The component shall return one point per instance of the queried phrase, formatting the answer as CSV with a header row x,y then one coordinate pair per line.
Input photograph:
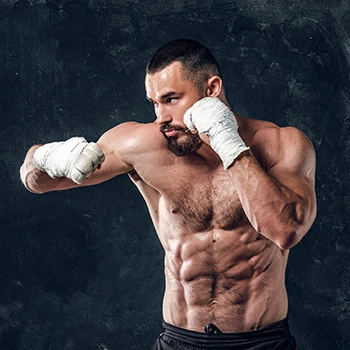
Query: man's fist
x,y
75,159
212,117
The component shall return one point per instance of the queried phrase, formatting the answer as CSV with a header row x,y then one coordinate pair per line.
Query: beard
x,y
189,142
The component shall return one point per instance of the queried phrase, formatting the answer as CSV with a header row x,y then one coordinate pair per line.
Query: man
x,y
227,204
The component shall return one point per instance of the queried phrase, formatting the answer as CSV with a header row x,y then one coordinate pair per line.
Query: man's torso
x,y
218,268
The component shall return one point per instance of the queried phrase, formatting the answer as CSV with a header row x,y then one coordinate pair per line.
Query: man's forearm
x,y
274,210
61,165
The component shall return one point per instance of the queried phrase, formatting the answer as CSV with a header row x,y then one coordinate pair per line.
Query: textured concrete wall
x,y
82,269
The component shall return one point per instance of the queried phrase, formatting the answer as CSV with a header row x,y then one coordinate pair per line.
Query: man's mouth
x,y
170,131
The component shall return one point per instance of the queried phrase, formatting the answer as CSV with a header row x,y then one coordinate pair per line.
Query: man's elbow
x,y
291,235
292,232
288,239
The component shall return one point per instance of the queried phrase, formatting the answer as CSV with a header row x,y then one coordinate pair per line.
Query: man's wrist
x,y
242,158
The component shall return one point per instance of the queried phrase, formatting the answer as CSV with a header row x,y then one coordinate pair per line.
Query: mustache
x,y
173,127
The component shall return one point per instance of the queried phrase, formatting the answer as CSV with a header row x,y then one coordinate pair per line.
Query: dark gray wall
x,y
82,269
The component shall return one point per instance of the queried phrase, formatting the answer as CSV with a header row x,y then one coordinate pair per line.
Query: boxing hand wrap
x,y
75,159
212,117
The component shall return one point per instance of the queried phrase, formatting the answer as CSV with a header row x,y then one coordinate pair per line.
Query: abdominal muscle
x,y
234,279
218,269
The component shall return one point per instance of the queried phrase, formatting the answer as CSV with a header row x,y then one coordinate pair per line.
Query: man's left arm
x,y
280,202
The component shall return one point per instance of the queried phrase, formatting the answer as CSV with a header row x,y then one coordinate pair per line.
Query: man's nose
x,y
163,116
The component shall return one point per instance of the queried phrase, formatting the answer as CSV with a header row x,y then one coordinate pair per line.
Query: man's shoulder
x,y
135,135
268,133
271,143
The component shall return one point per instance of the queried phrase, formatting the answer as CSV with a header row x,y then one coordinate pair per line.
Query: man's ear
x,y
214,86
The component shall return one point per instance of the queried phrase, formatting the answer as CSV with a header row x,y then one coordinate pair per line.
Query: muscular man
x,y
228,196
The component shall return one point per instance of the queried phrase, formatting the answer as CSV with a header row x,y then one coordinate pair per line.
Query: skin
x,y
226,233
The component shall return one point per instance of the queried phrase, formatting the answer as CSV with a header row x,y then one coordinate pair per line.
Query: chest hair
x,y
206,203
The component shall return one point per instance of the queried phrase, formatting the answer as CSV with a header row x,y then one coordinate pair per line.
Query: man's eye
x,y
171,100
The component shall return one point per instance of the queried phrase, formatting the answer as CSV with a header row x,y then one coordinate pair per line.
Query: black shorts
x,y
273,337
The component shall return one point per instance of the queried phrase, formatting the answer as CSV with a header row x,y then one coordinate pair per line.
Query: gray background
x,y
82,269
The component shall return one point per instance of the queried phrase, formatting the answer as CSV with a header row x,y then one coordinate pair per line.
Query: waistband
x,y
274,331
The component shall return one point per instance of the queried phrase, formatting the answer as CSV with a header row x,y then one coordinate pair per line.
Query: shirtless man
x,y
227,205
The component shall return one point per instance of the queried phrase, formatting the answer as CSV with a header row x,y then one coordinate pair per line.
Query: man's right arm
x,y
115,144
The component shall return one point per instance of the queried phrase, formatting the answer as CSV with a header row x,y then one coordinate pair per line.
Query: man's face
x,y
171,96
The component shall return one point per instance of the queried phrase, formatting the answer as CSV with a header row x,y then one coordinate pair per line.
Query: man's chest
x,y
196,199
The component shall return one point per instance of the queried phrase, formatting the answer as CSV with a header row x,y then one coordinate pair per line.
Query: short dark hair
x,y
197,60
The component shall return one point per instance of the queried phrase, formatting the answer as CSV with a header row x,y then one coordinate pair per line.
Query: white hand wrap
x,y
75,159
212,117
